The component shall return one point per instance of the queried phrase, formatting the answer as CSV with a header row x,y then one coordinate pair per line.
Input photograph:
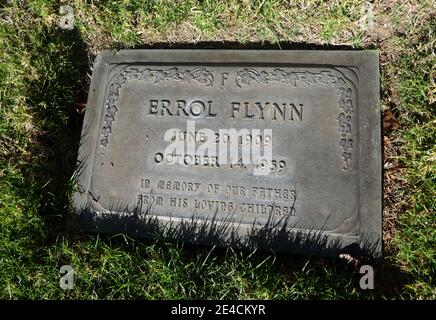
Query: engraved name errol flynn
x,y
249,111
270,149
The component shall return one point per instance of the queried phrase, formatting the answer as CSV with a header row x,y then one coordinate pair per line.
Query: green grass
x,y
43,71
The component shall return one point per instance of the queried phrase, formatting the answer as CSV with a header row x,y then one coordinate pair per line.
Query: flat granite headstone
x,y
253,149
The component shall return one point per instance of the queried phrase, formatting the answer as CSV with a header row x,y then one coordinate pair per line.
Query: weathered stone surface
x,y
322,193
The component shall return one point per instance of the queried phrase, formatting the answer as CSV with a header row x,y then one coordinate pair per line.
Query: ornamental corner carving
x,y
344,91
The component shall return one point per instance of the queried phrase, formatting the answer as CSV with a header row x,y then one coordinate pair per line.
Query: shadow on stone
x,y
276,234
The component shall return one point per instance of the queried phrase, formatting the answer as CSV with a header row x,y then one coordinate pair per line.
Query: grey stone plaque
x,y
316,112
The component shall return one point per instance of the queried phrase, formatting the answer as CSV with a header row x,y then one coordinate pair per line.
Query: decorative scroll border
x,y
344,91
244,77
128,73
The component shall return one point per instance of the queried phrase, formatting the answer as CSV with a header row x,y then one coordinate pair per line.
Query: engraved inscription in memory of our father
x,y
173,135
